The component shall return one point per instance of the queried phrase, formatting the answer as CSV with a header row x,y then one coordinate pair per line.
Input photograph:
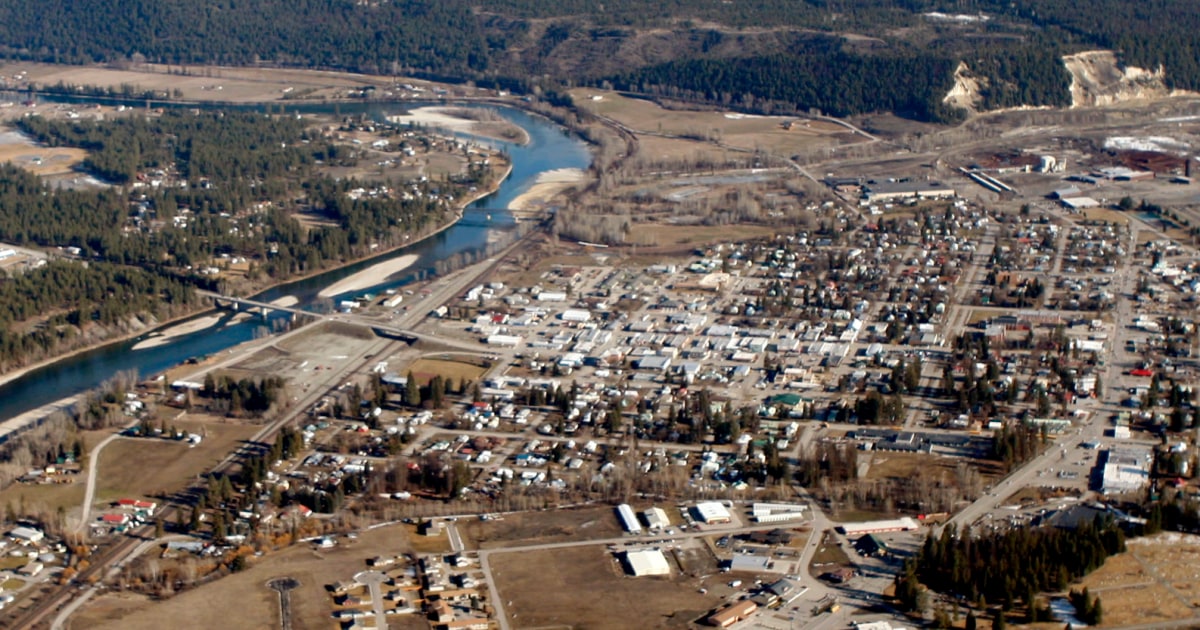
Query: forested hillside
x,y
233,184
243,173
838,56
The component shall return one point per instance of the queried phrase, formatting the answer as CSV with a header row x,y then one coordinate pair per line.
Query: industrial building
x,y
903,524
712,513
1126,469
776,512
643,562
656,518
893,191
628,519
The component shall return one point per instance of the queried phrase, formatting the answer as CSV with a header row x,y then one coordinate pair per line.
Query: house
x,y
440,611
732,613
870,545
114,519
786,589
470,623
838,576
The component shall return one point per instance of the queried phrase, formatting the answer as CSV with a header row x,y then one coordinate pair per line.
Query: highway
x,y
128,547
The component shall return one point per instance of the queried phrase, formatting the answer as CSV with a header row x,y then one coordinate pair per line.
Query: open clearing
x,y
1156,580
737,130
584,587
15,147
589,523
455,371
164,466
893,465
665,235
244,595
204,83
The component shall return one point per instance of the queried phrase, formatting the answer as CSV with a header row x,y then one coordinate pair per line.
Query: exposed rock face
x,y
965,93
1098,78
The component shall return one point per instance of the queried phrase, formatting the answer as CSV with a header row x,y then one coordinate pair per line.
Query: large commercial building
x,y
1126,469
712,513
893,191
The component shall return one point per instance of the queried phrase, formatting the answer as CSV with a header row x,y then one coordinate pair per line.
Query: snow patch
x,y
1161,144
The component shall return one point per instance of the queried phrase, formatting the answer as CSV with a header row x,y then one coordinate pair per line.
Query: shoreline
x,y
547,186
369,277
59,404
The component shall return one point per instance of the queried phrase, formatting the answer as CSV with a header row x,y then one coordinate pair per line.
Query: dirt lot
x,y
456,371
590,523
246,595
164,465
585,587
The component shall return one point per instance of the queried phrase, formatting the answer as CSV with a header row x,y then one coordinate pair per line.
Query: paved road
x,y
373,579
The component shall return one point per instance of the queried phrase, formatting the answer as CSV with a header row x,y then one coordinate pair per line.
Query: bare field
x,y
456,371
737,130
1156,580
885,465
584,587
590,523
164,466
203,83
662,235
1104,214
655,148
245,595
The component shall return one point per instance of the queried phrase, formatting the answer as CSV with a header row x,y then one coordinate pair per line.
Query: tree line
x,y
1004,567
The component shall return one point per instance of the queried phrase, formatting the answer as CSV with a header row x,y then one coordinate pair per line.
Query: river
x,y
550,147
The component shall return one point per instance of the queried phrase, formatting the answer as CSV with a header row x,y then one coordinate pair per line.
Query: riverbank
x,y
444,118
545,187
369,277
164,336
159,327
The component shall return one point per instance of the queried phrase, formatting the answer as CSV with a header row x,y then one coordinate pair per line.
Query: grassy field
x,y
243,601
585,587
43,497
736,130
164,466
426,368
590,523
656,149
829,555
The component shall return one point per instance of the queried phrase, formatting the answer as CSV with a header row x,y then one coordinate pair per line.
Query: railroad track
x,y
40,614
